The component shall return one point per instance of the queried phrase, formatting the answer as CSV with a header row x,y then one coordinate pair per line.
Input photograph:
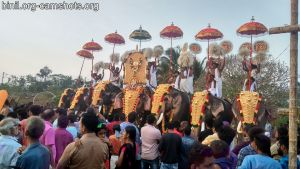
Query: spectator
x,y
36,155
116,120
261,160
58,112
12,115
246,140
187,140
170,147
217,126
62,136
48,137
284,153
8,143
281,131
72,127
34,110
221,154
116,142
150,137
1,117
201,157
227,134
102,130
87,152
177,128
127,153
209,121
249,149
123,123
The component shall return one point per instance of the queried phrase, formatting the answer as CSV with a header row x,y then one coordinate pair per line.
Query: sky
x,y
31,40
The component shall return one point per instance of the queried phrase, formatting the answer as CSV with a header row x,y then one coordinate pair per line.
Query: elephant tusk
x,y
160,119
239,128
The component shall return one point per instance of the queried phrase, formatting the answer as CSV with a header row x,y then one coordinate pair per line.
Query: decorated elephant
x,y
66,98
249,108
204,103
81,99
170,104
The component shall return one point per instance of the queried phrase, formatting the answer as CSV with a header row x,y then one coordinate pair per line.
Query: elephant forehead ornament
x,y
158,96
249,105
97,92
135,69
198,106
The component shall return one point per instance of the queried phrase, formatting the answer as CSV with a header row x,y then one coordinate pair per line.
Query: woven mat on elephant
x,y
79,92
198,102
97,91
65,93
158,97
131,99
249,105
135,69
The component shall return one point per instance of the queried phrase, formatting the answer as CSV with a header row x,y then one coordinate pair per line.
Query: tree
x,y
272,81
44,73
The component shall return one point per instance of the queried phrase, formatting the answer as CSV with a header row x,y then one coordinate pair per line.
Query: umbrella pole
x,y
250,69
140,45
114,48
93,62
171,51
81,69
208,65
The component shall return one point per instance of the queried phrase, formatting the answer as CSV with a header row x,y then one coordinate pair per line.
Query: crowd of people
x,y
42,138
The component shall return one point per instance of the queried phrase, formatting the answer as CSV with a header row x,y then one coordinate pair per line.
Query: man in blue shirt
x,y
35,156
249,150
283,151
187,140
262,159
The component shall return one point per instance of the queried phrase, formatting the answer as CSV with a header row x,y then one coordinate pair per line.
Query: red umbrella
x,y
115,39
86,55
92,46
209,34
171,32
251,29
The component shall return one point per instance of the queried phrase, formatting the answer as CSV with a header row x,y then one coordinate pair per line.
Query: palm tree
x,y
44,73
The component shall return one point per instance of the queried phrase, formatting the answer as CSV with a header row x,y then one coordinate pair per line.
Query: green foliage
x,y
24,88
282,121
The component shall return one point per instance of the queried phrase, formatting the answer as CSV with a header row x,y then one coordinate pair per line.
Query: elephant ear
x,y
215,105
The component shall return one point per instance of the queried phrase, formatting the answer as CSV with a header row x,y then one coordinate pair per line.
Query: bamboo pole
x,y
293,88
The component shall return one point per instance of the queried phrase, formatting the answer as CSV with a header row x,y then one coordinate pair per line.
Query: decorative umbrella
x,y
171,32
209,34
140,35
115,39
86,55
92,46
251,29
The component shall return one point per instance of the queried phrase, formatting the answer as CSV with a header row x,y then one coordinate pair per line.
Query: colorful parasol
x,y
209,34
251,29
171,32
86,55
140,35
115,39
92,46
